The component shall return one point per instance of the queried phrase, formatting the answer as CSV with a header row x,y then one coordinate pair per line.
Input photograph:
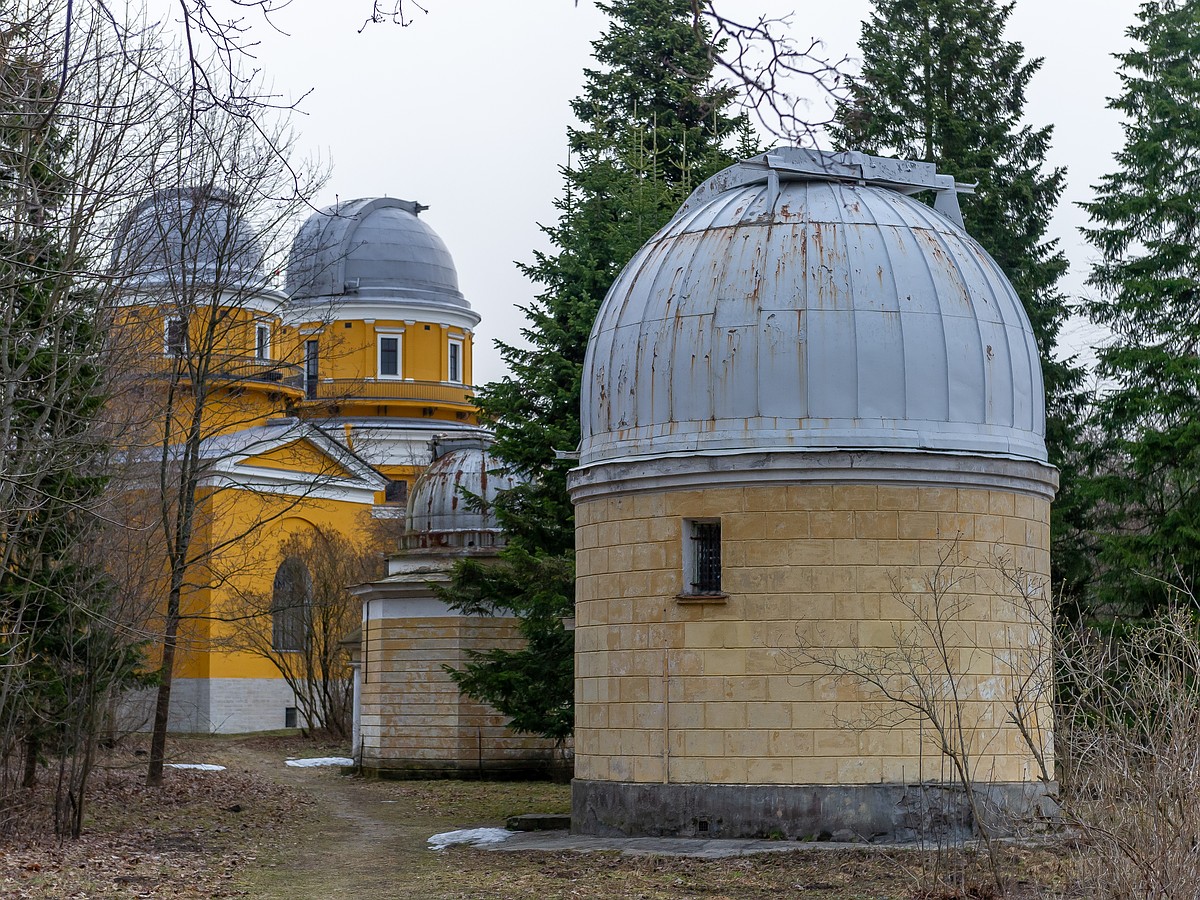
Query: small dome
x,y
439,513
192,234
375,249
803,301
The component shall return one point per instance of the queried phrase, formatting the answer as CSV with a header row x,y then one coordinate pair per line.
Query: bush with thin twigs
x,y
1129,735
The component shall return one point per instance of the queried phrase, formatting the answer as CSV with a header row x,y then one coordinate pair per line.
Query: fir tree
x,y
940,83
59,657
1147,230
652,128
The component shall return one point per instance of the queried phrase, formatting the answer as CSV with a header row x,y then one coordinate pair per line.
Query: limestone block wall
x,y
414,722
671,691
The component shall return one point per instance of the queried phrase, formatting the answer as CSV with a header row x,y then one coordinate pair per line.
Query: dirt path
x,y
368,839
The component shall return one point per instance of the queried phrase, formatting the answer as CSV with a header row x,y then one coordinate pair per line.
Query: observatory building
x,y
318,405
810,402
412,719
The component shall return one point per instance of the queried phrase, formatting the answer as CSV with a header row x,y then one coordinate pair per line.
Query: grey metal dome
x,y
801,301
188,235
439,513
373,248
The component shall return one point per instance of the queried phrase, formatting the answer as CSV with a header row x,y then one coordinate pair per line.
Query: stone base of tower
x,y
850,813
413,721
741,707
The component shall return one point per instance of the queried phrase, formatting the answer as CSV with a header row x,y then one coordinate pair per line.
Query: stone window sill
x,y
702,598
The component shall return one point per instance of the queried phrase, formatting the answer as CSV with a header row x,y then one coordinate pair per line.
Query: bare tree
x,y
211,364
927,678
300,625
72,132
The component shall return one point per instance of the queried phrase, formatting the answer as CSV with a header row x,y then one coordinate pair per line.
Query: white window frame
x,y
262,340
398,337
169,350
451,376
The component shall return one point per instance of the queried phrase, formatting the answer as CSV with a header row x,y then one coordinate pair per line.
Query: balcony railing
x,y
229,367
342,389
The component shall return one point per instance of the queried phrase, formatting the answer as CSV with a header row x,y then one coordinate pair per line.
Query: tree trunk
x,y
32,745
162,704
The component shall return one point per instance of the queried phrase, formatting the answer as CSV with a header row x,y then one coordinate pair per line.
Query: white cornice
x,y
755,469
391,311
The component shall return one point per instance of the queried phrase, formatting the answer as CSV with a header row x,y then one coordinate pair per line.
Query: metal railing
x,y
361,389
231,367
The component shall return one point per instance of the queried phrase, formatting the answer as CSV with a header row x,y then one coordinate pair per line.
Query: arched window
x,y
290,601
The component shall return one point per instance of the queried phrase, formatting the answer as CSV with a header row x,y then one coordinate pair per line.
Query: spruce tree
x,y
941,84
1146,227
652,127
60,654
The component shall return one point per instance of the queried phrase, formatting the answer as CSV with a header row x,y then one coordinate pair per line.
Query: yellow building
x,y
306,408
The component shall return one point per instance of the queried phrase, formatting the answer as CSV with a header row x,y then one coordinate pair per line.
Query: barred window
x,y
175,336
702,557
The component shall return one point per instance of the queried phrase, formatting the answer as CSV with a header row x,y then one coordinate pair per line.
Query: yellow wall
x,y
349,348
671,691
244,572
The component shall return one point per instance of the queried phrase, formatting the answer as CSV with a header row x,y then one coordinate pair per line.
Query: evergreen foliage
x,y
58,654
652,128
940,83
1146,227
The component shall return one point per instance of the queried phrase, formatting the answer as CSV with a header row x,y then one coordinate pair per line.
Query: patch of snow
x,y
199,767
321,761
476,837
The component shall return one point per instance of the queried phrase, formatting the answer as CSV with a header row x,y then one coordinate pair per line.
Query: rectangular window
x,y
389,356
175,336
312,367
702,557
262,341
455,373
396,492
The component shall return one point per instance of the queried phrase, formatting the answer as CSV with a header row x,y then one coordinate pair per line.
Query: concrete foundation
x,y
849,813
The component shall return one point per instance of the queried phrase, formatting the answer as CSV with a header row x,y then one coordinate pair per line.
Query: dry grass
x,y
312,833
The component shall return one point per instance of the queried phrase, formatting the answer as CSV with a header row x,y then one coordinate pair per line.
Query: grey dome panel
x,y
811,314
377,248
188,234
437,504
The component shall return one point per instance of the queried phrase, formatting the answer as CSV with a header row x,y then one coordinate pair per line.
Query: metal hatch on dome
x,y
904,176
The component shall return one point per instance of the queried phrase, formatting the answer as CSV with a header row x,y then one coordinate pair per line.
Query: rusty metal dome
x,y
440,513
804,301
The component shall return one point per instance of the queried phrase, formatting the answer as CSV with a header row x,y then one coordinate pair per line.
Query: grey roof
x,y
797,302
185,235
437,504
375,248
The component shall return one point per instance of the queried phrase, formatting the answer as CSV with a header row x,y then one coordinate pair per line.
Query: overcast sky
x,y
466,111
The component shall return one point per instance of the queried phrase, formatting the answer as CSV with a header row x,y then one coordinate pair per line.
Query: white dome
x,y
800,301
439,512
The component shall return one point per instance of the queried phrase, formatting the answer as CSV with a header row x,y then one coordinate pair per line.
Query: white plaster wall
x,y
213,705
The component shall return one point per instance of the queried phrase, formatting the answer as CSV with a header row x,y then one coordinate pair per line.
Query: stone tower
x,y
806,396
